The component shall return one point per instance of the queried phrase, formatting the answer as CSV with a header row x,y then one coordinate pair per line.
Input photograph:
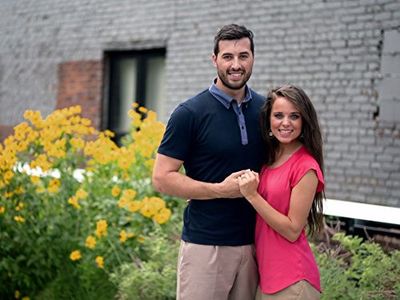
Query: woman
x,y
287,196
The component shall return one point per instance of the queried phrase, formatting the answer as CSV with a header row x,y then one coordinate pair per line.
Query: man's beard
x,y
226,83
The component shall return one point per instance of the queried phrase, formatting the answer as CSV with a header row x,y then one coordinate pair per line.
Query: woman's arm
x,y
301,199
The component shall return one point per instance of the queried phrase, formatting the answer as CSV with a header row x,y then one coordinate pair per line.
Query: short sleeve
x,y
178,135
302,166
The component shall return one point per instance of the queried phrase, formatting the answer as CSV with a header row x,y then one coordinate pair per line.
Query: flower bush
x,y
79,219
75,206
355,269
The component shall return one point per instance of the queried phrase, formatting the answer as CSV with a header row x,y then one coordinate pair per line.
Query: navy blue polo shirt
x,y
214,137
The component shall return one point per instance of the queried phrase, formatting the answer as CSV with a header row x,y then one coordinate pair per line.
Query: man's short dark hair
x,y
233,32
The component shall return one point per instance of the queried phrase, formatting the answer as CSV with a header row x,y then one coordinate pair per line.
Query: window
x,y
389,87
133,76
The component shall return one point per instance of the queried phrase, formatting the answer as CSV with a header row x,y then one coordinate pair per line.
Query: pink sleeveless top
x,y
282,263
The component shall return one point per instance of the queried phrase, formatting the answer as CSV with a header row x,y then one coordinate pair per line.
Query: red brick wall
x,y
80,82
5,131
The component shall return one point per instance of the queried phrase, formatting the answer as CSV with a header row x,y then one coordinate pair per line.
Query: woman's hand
x,y
248,184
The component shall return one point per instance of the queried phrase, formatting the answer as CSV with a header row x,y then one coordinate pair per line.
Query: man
x,y
214,135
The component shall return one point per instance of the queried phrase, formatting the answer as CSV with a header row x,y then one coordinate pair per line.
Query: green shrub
x,y
358,270
152,278
62,235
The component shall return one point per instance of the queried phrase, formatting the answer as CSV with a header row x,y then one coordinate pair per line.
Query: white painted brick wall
x,y
330,48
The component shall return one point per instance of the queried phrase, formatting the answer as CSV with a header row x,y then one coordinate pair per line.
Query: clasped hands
x,y
248,183
240,184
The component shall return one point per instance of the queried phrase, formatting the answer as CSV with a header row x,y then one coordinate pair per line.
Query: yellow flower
x,y
123,201
77,143
90,242
35,179
126,157
9,141
147,209
162,216
100,262
20,131
19,206
136,118
158,202
151,116
103,150
125,162
143,109
57,148
75,255
76,109
26,298
42,162
54,185
8,157
21,146
17,294
124,236
86,122
116,190
8,175
19,219
129,194
2,209
144,142
74,201
81,194
108,133
101,228
134,206
34,117
151,206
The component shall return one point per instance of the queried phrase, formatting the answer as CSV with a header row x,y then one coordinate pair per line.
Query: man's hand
x,y
229,188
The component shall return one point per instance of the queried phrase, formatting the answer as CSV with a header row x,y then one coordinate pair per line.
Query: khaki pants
x,y
301,290
216,272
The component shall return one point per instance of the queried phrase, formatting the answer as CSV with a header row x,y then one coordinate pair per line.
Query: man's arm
x,y
168,180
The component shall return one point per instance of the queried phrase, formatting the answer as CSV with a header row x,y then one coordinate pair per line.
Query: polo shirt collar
x,y
224,98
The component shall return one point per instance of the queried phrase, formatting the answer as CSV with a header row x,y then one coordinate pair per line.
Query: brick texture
x,y
79,83
5,131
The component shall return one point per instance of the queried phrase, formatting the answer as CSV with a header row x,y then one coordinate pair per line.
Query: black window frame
x,y
112,103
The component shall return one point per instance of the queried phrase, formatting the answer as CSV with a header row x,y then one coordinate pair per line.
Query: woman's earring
x,y
270,133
